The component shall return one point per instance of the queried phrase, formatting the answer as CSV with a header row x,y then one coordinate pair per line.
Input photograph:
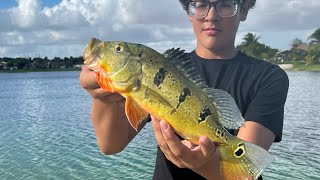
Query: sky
x,y
62,28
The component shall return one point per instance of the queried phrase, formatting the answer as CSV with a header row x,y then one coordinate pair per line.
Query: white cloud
x,y
284,15
64,29
27,14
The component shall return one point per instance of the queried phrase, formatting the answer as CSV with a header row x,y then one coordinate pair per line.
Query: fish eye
x,y
118,48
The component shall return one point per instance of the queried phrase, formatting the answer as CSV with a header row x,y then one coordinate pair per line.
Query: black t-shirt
x,y
259,89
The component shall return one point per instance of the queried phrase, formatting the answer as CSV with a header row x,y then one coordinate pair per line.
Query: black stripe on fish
x,y
204,114
185,93
159,78
182,98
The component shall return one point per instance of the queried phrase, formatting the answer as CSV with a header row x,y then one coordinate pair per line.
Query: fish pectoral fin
x,y
135,113
104,82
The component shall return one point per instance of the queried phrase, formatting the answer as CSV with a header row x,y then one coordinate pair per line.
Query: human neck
x,y
227,53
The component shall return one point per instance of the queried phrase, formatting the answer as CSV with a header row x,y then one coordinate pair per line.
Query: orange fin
x,y
135,113
234,171
104,82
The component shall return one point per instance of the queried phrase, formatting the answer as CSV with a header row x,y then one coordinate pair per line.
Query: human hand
x,y
89,82
184,154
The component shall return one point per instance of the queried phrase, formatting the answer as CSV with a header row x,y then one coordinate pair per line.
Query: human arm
x,y
112,128
256,133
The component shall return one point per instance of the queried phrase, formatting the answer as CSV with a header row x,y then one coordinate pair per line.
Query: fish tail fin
x,y
244,161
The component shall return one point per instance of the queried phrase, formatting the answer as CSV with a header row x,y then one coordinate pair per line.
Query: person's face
x,y
217,33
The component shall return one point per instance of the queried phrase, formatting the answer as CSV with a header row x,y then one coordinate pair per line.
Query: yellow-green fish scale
x,y
184,118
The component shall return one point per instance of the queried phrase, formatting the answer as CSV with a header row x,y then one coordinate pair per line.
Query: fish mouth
x,y
91,53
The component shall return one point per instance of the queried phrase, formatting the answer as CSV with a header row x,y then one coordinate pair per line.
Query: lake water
x,y
46,132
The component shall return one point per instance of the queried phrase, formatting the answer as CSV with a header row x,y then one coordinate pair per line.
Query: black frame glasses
x,y
224,8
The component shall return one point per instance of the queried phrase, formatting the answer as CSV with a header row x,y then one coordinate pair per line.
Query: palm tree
x,y
313,56
250,38
315,37
252,47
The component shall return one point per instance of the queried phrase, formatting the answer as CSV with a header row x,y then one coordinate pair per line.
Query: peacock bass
x,y
169,86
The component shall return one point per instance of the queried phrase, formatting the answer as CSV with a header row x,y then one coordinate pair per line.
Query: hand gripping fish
x,y
169,86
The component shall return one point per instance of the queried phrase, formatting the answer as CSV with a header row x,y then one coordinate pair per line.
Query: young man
x,y
259,88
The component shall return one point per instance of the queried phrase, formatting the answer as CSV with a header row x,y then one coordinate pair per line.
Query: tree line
x,y
41,63
252,47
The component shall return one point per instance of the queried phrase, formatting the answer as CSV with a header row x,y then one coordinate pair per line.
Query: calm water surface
x,y
46,132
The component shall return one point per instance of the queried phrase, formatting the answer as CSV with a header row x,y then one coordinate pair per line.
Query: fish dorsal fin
x,y
184,63
135,113
229,113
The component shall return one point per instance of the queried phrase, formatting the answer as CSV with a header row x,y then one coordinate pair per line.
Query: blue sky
x,y
5,4
59,28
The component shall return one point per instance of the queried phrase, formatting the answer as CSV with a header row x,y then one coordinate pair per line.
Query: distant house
x,y
303,47
3,65
14,66
78,66
37,65
11,68
300,51
56,64
281,56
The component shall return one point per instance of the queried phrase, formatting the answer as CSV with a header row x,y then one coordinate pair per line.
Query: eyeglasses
x,y
225,8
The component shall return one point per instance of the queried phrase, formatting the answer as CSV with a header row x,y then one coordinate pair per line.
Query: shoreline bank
x,y
298,66
285,66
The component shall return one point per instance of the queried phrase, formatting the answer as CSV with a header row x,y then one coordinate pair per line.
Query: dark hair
x,y
185,3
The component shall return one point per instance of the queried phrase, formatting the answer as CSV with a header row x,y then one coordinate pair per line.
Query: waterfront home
x,y
294,54
56,64
3,65
78,66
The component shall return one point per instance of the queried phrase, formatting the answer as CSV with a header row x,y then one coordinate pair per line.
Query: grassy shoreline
x,y
300,66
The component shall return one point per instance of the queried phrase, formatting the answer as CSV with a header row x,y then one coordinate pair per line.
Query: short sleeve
x,y
267,105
